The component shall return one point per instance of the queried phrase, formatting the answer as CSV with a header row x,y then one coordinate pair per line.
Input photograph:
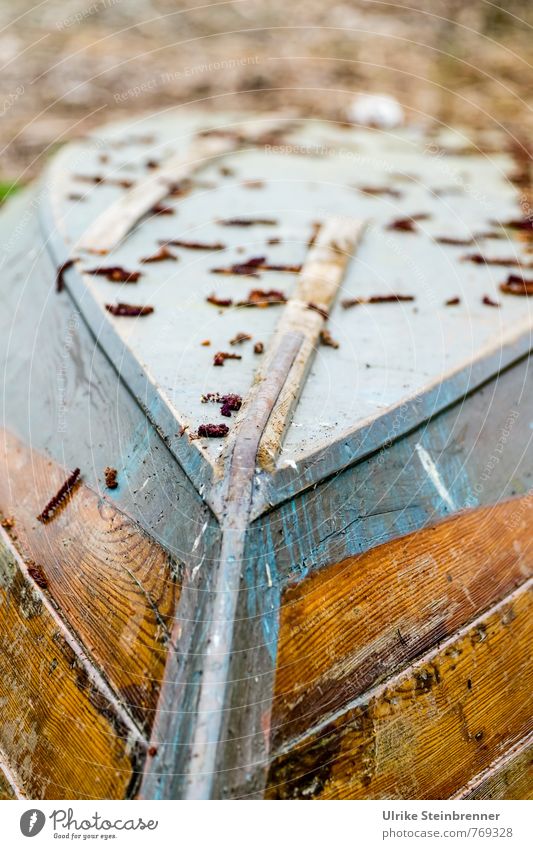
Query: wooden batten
x,y
63,733
453,707
350,625
113,586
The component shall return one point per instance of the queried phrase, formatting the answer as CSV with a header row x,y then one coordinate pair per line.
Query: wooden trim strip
x,y
9,789
428,731
113,586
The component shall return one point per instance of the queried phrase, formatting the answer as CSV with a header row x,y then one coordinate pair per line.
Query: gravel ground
x,y
70,65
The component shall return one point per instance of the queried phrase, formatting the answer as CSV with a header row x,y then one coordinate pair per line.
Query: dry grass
x,y
76,63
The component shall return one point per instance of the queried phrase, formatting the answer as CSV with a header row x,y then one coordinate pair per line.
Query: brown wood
x,y
113,586
62,732
428,731
510,778
350,625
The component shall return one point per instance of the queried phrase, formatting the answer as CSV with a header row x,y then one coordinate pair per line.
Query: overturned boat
x,y
266,465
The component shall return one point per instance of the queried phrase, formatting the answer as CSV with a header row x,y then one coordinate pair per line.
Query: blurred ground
x,y
70,65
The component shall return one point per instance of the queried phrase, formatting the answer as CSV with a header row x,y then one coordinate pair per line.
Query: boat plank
x,y
114,586
354,623
510,778
64,398
479,459
462,704
62,733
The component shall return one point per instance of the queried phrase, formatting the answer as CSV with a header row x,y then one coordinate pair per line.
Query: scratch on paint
x,y
433,473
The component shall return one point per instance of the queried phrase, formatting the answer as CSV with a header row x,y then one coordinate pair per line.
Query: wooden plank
x,y
113,585
462,705
352,624
509,778
62,731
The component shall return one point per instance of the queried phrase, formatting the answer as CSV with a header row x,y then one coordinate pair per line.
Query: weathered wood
x,y
114,586
304,316
85,415
8,791
352,624
462,705
509,778
62,731
114,224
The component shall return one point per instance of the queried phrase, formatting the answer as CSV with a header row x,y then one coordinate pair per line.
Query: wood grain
x,y
427,732
113,586
510,778
352,624
62,732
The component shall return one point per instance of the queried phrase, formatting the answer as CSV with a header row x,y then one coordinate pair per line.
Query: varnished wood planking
x,y
512,778
112,584
352,624
63,397
427,732
62,735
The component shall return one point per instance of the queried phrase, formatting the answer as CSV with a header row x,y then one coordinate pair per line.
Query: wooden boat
x,y
332,600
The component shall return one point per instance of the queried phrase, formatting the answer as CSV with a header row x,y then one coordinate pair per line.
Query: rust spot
x,y
115,274
376,299
60,284
213,431
327,339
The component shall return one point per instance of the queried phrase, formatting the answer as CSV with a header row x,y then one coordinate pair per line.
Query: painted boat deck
x,y
423,352
390,539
